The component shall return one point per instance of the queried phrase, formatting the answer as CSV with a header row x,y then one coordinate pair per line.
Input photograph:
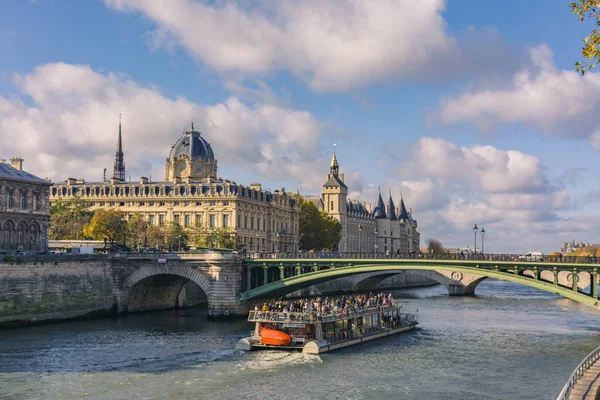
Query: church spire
x,y
334,168
391,208
119,168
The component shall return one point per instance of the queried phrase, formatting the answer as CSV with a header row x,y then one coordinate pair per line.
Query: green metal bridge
x,y
274,275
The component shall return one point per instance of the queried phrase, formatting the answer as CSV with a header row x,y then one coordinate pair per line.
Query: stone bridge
x,y
37,288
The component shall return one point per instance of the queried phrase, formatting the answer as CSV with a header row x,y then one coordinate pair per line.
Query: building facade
x,y
384,229
24,209
193,195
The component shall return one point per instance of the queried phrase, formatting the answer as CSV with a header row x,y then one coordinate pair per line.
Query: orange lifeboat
x,y
274,337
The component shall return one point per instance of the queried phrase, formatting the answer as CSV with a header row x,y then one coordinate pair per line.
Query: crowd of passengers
x,y
326,305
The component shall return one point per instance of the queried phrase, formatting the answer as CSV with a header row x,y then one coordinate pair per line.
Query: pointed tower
x,y
379,210
391,208
119,169
403,213
335,193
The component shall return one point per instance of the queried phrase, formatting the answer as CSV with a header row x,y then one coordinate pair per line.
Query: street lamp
x,y
257,243
359,230
482,233
145,236
475,229
375,244
278,244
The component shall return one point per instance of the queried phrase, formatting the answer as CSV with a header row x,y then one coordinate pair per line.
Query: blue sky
x,y
472,110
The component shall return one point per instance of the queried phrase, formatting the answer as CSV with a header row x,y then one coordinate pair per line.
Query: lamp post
x,y
482,233
475,229
257,243
375,244
278,244
359,230
212,237
145,236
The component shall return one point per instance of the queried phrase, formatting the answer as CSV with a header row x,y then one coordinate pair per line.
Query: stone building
x,y
383,229
24,213
194,195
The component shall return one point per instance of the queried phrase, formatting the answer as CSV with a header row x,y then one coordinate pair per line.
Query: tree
x,y
591,48
434,246
67,219
137,231
332,230
312,227
176,237
107,224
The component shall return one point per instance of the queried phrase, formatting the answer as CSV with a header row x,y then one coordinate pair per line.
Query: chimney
x,y
143,180
71,181
17,163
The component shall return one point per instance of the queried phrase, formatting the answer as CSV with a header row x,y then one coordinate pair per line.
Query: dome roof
x,y
193,145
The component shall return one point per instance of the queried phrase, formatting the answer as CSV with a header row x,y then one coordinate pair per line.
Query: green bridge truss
x,y
300,273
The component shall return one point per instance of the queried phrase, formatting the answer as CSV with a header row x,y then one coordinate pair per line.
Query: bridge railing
x,y
427,256
581,369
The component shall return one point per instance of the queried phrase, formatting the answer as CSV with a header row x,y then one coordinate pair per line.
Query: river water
x,y
509,342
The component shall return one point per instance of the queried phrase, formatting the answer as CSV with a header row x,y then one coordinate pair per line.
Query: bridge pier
x,y
457,283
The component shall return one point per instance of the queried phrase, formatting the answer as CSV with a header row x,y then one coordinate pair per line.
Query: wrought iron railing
x,y
313,317
581,369
427,256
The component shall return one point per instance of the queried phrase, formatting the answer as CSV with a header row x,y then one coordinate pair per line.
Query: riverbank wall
x,y
33,291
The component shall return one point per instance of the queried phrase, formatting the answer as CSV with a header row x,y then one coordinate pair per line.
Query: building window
x,y
162,204
151,219
186,220
187,203
176,217
35,201
198,220
245,222
225,220
212,190
239,219
331,209
23,201
213,203
211,220
264,224
251,222
161,219
225,203
151,204
258,224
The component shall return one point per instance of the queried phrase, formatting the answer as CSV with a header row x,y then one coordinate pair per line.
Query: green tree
x,y
591,44
176,237
68,218
107,224
434,246
332,231
312,227
137,231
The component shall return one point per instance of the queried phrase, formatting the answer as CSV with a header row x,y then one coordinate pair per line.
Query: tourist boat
x,y
314,333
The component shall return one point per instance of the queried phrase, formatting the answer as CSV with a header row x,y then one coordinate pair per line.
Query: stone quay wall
x,y
36,289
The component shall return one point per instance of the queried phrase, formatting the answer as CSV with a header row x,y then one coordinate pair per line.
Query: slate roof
x,y
8,172
392,209
403,212
335,181
192,144
379,211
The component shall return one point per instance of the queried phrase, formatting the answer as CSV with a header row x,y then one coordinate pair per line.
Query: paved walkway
x,y
587,387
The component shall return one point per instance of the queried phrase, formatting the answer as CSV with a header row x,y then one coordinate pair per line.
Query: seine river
x,y
509,342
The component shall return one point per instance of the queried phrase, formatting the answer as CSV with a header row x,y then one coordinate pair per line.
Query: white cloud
x,y
559,102
70,128
334,45
452,187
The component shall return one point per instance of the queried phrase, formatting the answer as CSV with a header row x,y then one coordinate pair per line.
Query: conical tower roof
x,y
392,208
379,211
403,213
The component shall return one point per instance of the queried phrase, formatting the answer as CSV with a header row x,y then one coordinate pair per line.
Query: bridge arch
x,y
155,288
465,275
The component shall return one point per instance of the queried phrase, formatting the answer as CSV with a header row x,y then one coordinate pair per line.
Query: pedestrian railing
x,y
428,256
581,369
